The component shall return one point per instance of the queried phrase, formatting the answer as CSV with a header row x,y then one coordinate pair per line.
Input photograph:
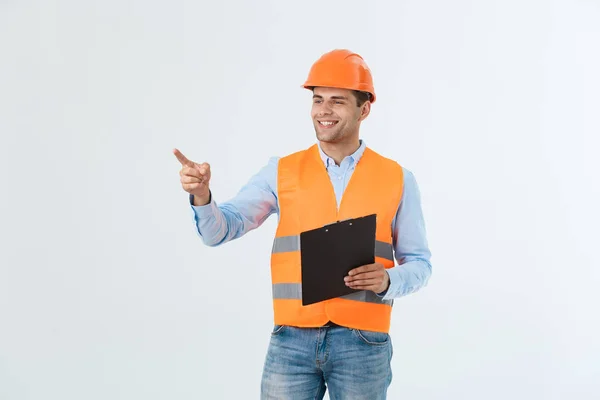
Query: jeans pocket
x,y
277,329
372,338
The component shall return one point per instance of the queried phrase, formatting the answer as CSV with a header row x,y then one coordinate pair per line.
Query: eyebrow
x,y
316,96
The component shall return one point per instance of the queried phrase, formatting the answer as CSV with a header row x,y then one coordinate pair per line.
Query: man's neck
x,y
339,151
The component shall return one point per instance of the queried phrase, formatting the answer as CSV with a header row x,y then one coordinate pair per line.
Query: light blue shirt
x,y
257,200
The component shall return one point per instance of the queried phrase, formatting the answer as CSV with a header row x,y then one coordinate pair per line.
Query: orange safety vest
x,y
307,201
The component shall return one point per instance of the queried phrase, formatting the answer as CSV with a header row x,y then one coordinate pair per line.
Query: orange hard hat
x,y
343,69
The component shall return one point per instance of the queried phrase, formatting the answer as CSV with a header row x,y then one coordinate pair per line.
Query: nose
x,y
324,109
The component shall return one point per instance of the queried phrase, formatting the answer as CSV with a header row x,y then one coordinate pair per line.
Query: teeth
x,y
326,123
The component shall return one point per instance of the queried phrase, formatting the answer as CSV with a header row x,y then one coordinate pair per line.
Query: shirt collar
x,y
354,157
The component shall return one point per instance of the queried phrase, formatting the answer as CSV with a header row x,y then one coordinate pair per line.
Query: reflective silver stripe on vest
x,y
384,250
287,291
285,244
294,291
367,296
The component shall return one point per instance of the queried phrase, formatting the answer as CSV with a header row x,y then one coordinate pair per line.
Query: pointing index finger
x,y
182,159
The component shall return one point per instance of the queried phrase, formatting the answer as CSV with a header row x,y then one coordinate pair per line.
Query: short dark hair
x,y
361,97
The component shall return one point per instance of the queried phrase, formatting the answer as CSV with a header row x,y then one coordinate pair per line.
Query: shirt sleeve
x,y
217,224
411,249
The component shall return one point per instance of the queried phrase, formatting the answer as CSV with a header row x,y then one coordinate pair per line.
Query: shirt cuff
x,y
203,211
382,294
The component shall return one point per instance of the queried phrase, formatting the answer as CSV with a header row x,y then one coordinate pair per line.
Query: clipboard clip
x,y
337,222
344,220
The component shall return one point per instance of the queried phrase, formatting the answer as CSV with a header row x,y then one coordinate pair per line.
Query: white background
x,y
106,292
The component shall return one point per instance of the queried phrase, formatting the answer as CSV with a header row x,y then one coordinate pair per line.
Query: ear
x,y
365,110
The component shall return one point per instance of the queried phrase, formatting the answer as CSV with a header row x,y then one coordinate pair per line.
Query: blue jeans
x,y
301,363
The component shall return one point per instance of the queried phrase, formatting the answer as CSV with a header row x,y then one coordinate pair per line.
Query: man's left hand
x,y
368,277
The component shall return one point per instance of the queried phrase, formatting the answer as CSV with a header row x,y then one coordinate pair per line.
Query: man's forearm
x,y
247,210
408,278
201,201
211,224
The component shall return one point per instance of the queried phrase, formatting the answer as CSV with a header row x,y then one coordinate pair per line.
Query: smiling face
x,y
336,115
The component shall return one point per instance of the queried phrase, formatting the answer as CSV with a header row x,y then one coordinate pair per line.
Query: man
x,y
342,344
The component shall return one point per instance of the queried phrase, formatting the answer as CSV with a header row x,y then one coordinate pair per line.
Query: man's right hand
x,y
194,178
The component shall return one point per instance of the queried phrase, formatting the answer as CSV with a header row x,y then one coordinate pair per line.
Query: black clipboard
x,y
330,252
